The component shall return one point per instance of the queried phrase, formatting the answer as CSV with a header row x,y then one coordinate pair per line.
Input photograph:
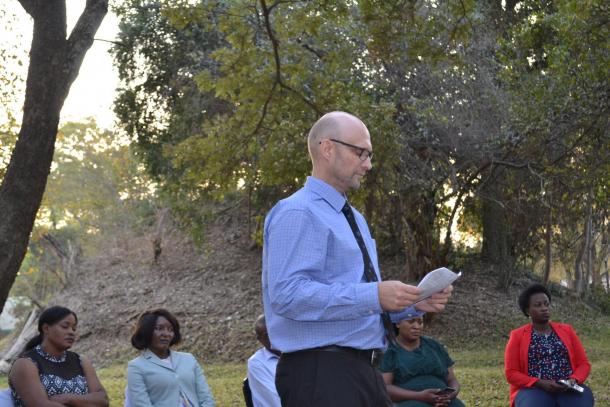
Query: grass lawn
x,y
480,373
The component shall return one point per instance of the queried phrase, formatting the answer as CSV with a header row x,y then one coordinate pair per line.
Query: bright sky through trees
x,y
93,91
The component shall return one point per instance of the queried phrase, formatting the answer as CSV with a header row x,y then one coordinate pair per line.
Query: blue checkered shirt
x,y
314,292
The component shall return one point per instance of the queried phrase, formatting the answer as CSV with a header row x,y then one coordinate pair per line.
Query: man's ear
x,y
326,148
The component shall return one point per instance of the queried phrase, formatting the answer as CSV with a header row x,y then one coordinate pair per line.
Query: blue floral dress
x,y
548,357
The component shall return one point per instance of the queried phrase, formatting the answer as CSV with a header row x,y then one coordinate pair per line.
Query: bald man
x,y
323,296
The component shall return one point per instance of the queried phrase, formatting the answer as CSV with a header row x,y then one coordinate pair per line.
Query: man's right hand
x,y
396,296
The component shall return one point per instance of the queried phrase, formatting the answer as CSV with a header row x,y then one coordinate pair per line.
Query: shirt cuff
x,y
368,298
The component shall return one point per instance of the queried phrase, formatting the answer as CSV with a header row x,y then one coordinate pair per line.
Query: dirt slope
x,y
215,292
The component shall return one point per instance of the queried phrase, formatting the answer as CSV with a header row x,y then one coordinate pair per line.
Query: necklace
x,y
49,357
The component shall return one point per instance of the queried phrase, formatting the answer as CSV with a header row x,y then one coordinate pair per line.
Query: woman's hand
x,y
550,386
442,402
429,396
452,395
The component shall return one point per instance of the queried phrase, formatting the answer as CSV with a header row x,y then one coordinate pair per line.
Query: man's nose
x,y
367,164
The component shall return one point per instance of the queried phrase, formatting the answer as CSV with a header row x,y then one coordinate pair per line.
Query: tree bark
x,y
54,64
495,228
420,241
579,277
496,233
548,247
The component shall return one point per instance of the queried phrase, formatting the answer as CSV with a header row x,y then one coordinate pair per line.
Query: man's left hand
x,y
436,302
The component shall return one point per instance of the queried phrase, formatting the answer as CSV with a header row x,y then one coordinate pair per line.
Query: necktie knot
x,y
346,208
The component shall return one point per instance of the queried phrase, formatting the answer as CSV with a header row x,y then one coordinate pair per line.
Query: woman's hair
x,y
50,316
524,297
145,327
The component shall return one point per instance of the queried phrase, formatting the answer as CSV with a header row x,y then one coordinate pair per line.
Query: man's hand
x,y
396,296
436,302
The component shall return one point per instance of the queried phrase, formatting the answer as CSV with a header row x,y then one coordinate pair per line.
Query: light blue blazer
x,y
152,384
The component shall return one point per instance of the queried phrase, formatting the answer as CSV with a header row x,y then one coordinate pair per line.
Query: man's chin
x,y
355,184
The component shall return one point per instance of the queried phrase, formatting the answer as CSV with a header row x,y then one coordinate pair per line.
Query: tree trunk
x,y
420,242
548,247
495,248
54,64
604,252
579,278
590,250
495,233
448,245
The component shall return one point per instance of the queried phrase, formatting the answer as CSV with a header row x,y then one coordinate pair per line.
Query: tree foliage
x,y
497,109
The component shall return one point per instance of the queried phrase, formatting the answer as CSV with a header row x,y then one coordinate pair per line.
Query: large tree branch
x,y
28,6
82,35
276,56
264,112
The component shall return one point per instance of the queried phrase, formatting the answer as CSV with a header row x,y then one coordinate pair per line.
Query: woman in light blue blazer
x,y
161,377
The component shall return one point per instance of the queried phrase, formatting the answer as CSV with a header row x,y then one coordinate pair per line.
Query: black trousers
x,y
329,379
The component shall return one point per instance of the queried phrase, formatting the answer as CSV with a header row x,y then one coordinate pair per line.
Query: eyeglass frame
x,y
361,149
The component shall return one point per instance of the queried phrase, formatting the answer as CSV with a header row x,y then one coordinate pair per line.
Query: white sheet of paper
x,y
435,281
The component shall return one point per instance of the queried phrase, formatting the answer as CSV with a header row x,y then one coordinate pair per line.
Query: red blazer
x,y
516,360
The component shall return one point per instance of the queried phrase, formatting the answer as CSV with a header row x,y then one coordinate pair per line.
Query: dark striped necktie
x,y
369,269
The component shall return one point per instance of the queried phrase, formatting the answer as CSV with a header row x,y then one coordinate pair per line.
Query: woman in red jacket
x,y
540,354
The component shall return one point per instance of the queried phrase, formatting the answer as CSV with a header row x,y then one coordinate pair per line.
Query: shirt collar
x,y
149,354
269,355
326,192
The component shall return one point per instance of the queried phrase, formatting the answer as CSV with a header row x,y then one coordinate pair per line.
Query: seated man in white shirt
x,y
261,369
6,400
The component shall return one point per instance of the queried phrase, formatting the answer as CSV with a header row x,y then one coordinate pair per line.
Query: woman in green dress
x,y
418,371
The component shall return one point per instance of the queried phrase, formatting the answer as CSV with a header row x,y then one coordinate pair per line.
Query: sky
x,y
93,91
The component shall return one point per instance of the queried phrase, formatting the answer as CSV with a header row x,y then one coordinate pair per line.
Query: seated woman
x,y
47,374
160,376
418,371
542,352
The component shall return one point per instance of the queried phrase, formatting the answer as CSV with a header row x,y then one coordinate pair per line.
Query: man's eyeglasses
x,y
363,153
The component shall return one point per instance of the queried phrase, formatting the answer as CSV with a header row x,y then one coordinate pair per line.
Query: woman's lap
x,y
534,397
415,403
411,403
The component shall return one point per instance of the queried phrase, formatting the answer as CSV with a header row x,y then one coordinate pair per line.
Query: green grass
x,y
479,371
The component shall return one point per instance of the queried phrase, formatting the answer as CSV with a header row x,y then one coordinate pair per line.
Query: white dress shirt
x,y
261,377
